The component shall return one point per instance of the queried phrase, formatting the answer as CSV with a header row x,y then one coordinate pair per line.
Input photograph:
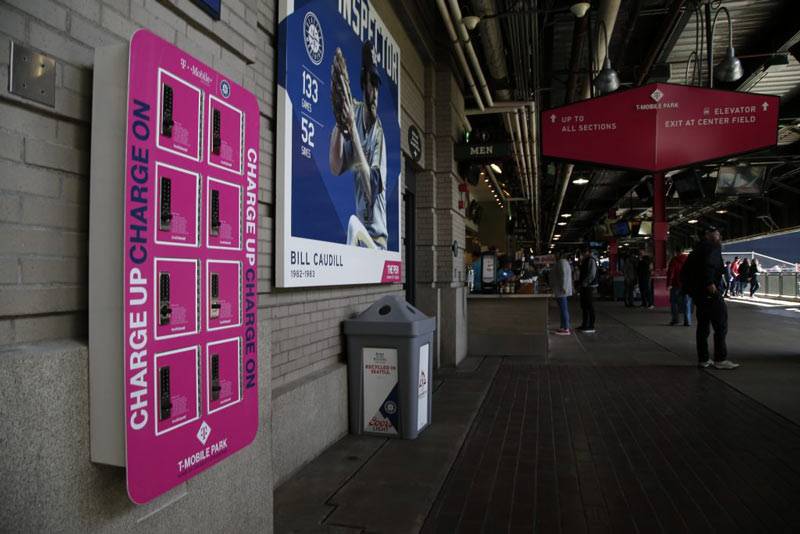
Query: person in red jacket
x,y
680,301
735,286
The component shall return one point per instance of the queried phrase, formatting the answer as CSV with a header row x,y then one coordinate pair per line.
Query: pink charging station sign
x,y
191,273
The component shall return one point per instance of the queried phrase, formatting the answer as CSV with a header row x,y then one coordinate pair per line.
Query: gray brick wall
x,y
44,164
44,197
44,172
44,151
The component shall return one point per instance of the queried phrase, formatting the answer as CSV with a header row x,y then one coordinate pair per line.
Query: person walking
x,y
744,275
754,270
726,279
645,272
561,283
630,273
735,276
700,277
680,302
588,283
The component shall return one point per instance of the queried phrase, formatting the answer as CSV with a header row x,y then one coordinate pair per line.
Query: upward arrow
x,y
553,118
765,106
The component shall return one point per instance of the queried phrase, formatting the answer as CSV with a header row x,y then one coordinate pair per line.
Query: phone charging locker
x,y
173,345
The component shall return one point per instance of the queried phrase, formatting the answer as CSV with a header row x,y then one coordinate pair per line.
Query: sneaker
x,y
650,307
725,364
687,324
706,364
673,323
588,330
562,332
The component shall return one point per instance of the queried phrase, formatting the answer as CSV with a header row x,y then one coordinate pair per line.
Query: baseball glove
x,y
341,98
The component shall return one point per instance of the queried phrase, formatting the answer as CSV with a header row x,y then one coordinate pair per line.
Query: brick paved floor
x,y
559,448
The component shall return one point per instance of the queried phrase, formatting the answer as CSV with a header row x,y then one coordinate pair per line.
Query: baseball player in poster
x,y
358,145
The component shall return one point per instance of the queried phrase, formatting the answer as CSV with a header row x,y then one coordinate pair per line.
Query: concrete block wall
x,y
48,482
44,195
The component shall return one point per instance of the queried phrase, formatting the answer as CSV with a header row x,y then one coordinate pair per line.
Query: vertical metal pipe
x,y
459,53
710,45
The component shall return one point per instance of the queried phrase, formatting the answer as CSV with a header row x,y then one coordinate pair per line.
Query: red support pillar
x,y
660,232
659,224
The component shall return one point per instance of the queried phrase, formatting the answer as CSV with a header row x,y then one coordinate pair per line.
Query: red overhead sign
x,y
660,126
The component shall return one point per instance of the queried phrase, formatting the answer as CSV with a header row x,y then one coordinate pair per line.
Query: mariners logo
x,y
312,34
225,88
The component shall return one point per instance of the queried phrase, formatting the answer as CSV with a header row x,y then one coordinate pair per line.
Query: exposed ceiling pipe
x,y
522,155
536,182
524,171
526,147
473,58
607,12
517,147
510,131
451,32
499,107
492,41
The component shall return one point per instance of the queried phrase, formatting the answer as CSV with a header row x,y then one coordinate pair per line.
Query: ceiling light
x,y
722,212
580,181
692,221
562,223
556,238
566,215
646,237
496,168
579,9
557,235
486,180
730,69
607,80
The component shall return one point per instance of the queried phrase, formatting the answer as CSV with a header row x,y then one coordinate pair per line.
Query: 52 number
x,y
307,133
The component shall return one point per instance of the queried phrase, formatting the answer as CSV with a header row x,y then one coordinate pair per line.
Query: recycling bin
x,y
390,365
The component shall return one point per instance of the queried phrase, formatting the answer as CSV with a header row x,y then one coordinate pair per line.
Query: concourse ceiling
x,y
544,52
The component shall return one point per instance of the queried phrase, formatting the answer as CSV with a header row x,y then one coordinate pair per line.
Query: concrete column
x,y
449,275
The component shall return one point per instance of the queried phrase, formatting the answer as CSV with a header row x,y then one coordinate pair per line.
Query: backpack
x,y
688,274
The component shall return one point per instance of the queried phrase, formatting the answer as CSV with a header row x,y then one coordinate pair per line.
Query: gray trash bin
x,y
390,364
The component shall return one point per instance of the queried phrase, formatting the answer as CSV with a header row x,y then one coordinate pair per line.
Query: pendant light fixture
x,y
730,69
607,80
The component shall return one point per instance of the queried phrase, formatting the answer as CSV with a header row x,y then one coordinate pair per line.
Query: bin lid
x,y
390,316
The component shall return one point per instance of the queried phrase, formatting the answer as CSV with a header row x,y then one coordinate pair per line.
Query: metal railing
x,y
777,278
779,285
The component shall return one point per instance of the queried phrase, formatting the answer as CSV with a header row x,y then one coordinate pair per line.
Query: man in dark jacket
x,y
587,284
705,269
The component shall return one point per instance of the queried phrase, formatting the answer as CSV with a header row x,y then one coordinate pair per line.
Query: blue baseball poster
x,y
338,138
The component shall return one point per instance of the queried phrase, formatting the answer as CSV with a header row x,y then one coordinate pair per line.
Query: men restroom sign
x,y
190,267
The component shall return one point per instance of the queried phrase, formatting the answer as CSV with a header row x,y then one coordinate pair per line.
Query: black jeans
x,y
587,307
630,285
753,285
646,289
711,311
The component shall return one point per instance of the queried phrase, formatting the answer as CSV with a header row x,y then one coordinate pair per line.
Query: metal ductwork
x,y
493,49
467,44
459,51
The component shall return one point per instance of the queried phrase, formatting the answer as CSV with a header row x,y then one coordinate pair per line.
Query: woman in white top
x,y
561,282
